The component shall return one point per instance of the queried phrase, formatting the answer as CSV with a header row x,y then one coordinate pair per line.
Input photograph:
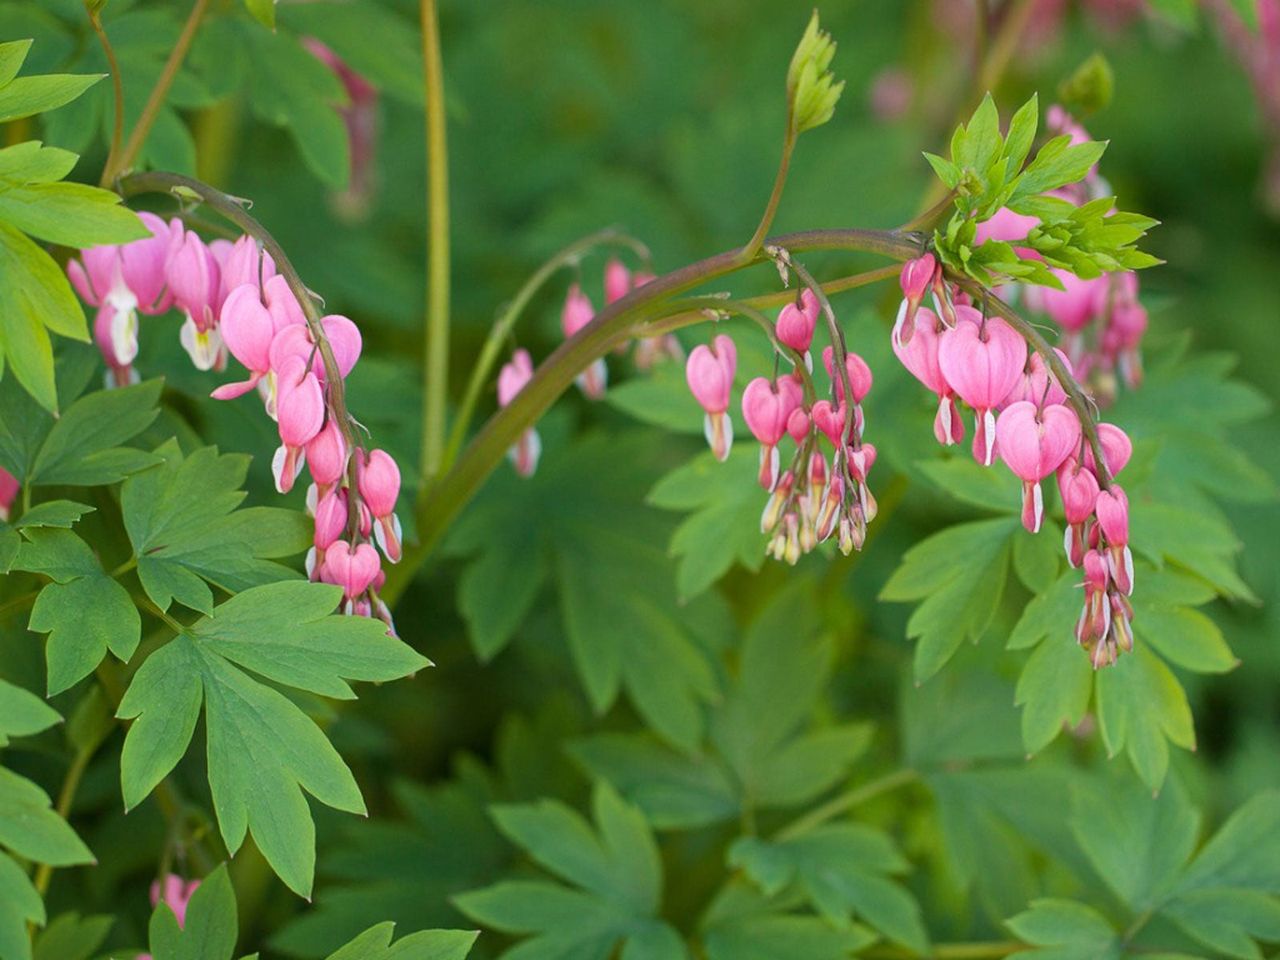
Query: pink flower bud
x,y
859,374
331,518
861,460
1117,448
617,280
513,376
767,405
798,425
709,372
246,263
577,312
379,482
327,455
8,492
1079,489
175,894
796,322
916,278
981,361
300,411
352,568
831,420
1113,515
194,278
245,327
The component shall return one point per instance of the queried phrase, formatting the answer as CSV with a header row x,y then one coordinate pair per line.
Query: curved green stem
x,y
117,92
151,110
435,369
616,323
506,320
775,197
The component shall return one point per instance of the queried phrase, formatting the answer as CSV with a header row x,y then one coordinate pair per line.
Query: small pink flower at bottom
x,y
352,568
916,278
513,377
1112,509
981,360
709,372
1034,443
1079,489
175,894
300,410
379,484
327,457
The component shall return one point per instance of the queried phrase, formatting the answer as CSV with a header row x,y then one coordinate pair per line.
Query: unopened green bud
x,y
811,87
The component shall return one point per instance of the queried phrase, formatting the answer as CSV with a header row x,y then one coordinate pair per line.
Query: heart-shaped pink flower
x,y
981,360
353,569
1034,443
796,322
767,405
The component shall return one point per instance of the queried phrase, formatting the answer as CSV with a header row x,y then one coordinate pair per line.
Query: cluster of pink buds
x,y
174,893
813,498
237,305
1022,416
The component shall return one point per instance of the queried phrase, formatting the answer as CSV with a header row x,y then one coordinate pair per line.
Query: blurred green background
x,y
664,117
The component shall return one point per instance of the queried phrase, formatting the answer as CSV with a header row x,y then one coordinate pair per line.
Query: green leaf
x,y
54,513
724,527
70,936
262,750
27,96
22,713
846,871
20,904
29,828
1053,690
71,214
1051,614
742,925
186,532
83,448
615,870
211,927
84,618
264,11
35,299
1066,931
1089,88
12,56
375,944
1140,705
959,599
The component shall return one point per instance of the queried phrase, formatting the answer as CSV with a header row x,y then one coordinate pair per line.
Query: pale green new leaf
x,y
375,944
1063,930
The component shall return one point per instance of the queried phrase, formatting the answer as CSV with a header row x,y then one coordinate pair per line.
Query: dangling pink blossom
x,y
831,421
300,410
175,894
916,278
1079,490
1034,443
354,568
860,378
798,425
1117,448
1112,509
119,374
797,321
295,340
919,354
861,460
512,379
1038,384
767,405
379,484
327,457
576,314
247,331
709,373
617,280
1095,619
246,263
360,116
981,359
194,280
9,488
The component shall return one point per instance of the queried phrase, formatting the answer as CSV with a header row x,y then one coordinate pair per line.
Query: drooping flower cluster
x,y
236,305
176,894
578,311
813,498
1022,416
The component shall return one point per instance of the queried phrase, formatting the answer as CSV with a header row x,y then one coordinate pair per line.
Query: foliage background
x,y
664,117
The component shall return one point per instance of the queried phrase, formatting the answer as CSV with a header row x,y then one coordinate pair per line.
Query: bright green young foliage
x,y
84,610
812,89
845,870
187,532
616,878
263,751
69,936
36,299
988,170
590,541
762,752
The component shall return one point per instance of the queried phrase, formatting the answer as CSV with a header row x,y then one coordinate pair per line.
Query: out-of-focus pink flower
x,y
709,373
513,377
892,90
8,492
360,114
175,893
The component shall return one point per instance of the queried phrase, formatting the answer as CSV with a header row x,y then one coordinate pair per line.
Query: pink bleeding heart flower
x,y
1112,510
246,263
1095,618
1075,306
981,360
798,425
246,328
797,321
327,457
831,420
1038,384
1034,443
512,379
281,303
1117,448
379,485
194,279
919,354
295,340
301,412
354,569
861,459
617,280
332,517
709,372
576,314
1005,226
767,406
916,278
859,374
359,114
9,488
175,894
105,330
1079,489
